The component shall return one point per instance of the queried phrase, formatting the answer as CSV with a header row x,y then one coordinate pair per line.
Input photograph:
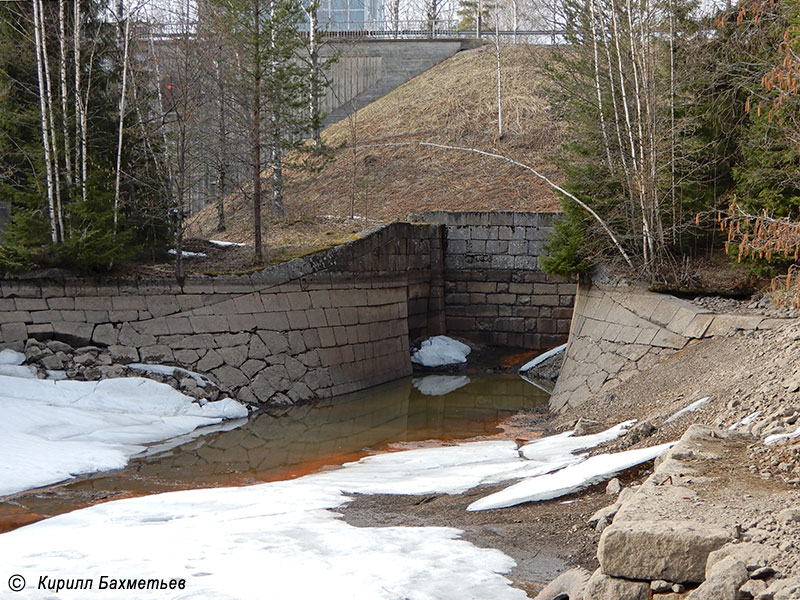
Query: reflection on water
x,y
305,438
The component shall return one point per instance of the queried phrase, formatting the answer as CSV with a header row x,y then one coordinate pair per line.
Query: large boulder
x,y
570,584
648,550
604,587
723,580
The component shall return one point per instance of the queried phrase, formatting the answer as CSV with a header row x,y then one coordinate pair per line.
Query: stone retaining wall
x,y
320,326
495,291
620,331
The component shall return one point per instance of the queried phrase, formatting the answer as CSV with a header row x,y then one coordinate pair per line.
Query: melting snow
x,y
746,421
201,380
221,244
187,254
53,430
771,439
569,480
691,408
542,357
439,351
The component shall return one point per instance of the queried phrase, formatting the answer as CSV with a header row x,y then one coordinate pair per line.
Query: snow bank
x,y
691,408
571,479
439,351
274,540
746,421
439,385
11,357
542,357
53,430
187,254
167,370
221,244
771,439
264,540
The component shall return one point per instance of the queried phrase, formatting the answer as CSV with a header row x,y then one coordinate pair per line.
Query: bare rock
x,y
124,354
753,587
659,586
585,426
57,346
782,589
604,587
752,554
572,583
723,580
670,550
56,361
789,515
614,487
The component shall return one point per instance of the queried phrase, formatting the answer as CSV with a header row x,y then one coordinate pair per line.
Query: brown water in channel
x,y
297,441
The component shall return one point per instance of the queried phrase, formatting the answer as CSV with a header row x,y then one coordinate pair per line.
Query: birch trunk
x,y
62,61
46,133
606,143
121,128
80,138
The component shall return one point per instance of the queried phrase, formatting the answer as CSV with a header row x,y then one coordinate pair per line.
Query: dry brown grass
x,y
453,103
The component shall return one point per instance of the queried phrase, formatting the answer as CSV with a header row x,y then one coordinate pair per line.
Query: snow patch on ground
x,y
439,385
276,540
187,254
259,541
169,371
746,421
571,479
691,408
11,357
542,357
771,439
54,430
439,351
222,244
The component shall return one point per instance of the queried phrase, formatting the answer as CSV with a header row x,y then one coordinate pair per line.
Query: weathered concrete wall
x,y
315,327
368,69
618,332
495,291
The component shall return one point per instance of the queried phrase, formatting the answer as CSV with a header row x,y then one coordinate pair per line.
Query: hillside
x,y
453,103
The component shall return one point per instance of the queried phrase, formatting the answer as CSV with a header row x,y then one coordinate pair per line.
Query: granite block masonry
x,y
319,326
495,291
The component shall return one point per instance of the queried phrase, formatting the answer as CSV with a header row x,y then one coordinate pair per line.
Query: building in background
x,y
351,15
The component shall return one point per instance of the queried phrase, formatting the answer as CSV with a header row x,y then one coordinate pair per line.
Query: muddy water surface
x,y
295,441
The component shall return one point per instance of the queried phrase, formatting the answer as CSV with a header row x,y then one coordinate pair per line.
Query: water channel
x,y
297,441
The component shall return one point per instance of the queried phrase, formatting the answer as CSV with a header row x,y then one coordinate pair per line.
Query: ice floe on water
x,y
439,351
53,430
439,385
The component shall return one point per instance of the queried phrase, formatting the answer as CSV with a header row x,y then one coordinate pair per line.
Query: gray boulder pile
x,y
703,526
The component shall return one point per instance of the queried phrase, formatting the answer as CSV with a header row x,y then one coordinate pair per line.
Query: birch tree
x,y
618,83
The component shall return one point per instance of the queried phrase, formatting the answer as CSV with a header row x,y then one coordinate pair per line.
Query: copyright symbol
x,y
16,583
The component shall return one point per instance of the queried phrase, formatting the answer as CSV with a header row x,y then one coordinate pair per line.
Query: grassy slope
x,y
453,103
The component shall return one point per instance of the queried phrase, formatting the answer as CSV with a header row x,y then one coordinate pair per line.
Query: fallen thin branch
x,y
544,178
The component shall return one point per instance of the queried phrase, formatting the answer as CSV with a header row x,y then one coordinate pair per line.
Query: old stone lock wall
x,y
314,327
